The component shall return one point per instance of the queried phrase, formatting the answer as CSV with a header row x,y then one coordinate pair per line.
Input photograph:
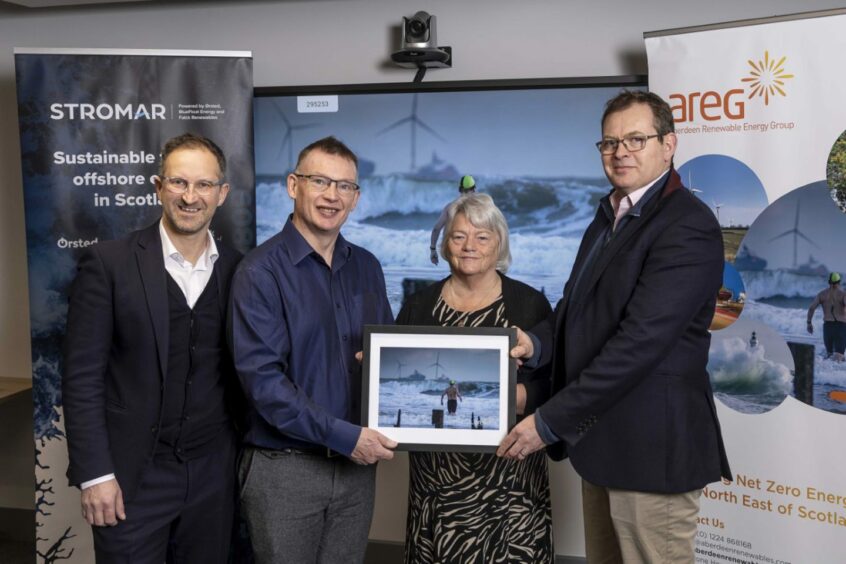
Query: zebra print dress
x,y
473,507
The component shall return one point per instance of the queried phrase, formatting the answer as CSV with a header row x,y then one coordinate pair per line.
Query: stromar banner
x,y
759,113
92,123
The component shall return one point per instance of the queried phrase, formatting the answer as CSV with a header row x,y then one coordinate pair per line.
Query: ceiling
x,y
54,3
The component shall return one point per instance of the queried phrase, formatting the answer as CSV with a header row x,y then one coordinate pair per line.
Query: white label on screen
x,y
317,104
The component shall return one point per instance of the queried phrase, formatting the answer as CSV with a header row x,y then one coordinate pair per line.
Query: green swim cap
x,y
452,382
467,183
834,278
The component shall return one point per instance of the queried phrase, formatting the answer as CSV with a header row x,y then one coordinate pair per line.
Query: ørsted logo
x,y
107,111
63,243
766,79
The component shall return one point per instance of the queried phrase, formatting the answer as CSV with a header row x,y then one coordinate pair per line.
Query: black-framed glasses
x,y
320,183
179,185
633,143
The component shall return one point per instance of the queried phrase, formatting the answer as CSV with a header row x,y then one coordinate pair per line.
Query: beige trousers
x,y
626,527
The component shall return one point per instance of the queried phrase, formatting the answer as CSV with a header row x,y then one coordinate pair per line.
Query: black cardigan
x,y
524,306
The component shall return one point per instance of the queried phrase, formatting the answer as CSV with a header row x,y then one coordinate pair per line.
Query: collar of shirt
x,y
172,255
298,248
637,198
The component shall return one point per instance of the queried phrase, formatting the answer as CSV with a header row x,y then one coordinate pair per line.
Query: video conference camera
x,y
420,44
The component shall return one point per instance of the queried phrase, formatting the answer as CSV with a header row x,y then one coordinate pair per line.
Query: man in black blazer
x,y
148,381
632,404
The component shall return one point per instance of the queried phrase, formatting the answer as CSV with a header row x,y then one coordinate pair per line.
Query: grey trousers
x,y
306,508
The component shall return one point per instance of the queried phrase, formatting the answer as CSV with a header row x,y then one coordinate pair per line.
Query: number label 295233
x,y
317,104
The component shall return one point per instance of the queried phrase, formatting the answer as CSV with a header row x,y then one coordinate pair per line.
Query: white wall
x,y
338,42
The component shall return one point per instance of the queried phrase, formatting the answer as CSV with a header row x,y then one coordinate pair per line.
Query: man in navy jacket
x,y
632,404
148,382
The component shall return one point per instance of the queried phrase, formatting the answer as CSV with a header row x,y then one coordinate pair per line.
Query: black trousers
x,y
181,513
834,336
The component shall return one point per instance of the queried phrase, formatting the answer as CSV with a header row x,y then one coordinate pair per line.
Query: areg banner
x,y
759,114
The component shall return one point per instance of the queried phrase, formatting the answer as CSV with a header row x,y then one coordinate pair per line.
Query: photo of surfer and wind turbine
x,y
799,243
442,388
778,258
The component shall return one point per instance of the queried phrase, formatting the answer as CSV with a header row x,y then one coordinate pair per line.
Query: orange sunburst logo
x,y
766,77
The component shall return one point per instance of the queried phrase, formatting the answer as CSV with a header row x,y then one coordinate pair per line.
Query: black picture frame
x,y
484,414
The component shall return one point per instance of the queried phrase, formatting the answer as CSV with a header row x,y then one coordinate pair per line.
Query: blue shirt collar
x,y
298,248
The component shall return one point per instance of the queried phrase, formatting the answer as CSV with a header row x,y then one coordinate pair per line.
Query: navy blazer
x,y
116,354
632,400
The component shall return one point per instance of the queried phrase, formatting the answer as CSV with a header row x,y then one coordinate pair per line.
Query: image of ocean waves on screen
x,y
532,150
394,220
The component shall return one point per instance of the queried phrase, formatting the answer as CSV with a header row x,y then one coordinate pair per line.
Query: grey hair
x,y
480,210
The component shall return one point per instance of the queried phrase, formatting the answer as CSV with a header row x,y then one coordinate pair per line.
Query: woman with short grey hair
x,y
473,507
480,210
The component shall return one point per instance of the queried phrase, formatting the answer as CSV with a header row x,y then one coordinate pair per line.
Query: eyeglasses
x,y
632,143
180,185
320,184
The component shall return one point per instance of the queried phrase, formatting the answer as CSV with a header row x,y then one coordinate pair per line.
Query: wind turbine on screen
x,y
415,122
399,368
288,137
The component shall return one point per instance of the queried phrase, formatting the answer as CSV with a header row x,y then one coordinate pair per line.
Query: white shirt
x,y
191,279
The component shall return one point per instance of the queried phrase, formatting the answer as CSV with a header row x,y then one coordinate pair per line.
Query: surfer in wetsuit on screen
x,y
467,185
451,394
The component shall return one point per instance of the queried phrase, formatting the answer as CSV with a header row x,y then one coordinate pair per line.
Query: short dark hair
x,y
331,146
662,115
192,141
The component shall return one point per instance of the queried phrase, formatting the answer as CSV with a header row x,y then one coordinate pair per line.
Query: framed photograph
x,y
439,388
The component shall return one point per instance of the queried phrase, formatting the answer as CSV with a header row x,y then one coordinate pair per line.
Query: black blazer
x,y
524,307
116,354
632,399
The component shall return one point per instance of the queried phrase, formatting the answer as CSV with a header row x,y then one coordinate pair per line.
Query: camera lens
x,y
416,29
